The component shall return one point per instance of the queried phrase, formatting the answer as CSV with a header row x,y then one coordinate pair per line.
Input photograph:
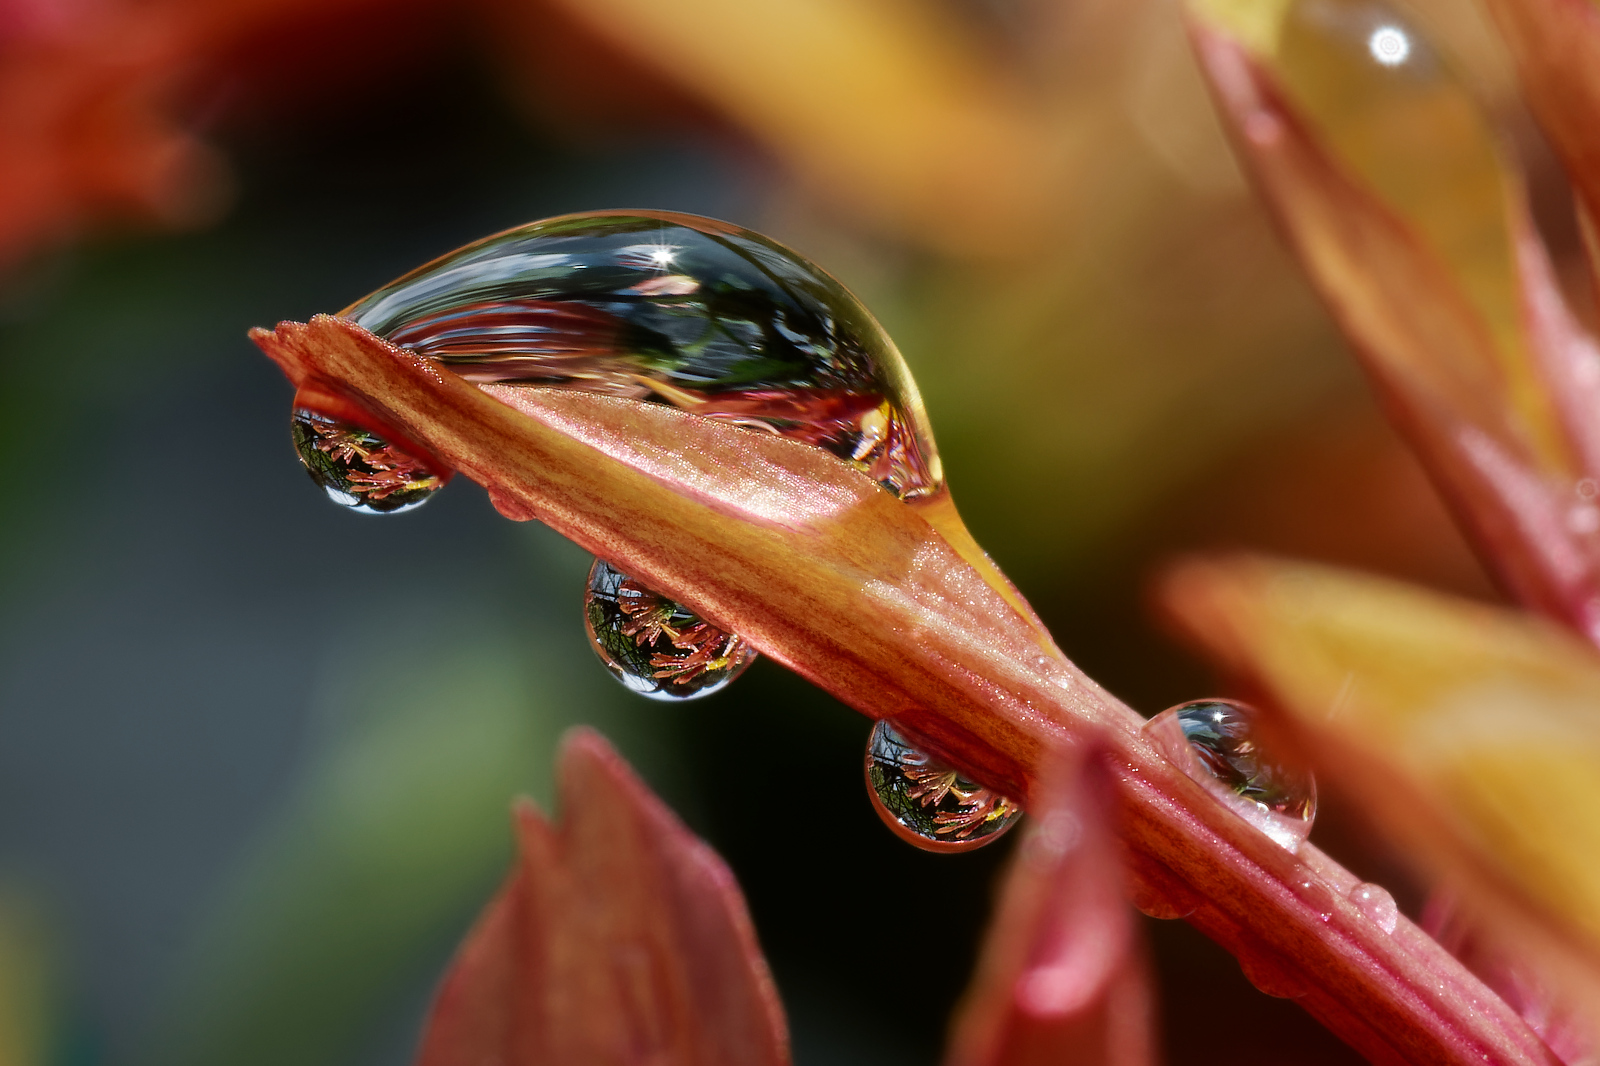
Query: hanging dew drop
x,y
358,469
672,309
1215,743
655,646
928,803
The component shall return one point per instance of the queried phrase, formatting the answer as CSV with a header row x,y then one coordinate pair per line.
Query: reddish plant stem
x,y
831,575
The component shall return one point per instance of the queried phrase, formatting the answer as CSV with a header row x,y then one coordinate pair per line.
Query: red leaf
x,y
619,938
1061,980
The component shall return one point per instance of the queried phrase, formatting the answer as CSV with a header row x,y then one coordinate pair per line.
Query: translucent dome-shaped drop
x,y
927,802
679,310
358,469
1214,742
654,646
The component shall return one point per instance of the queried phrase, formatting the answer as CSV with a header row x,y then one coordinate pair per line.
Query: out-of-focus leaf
x,y
620,938
1469,734
833,576
883,102
1556,44
1061,979
1391,187
395,830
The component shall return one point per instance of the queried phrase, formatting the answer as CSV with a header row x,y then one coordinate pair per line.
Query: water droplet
x,y
1214,742
358,469
673,309
1271,974
1375,902
927,802
655,646
1167,900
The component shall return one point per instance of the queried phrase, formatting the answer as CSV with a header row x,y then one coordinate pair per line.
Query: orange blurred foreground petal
x,y
619,939
1469,735
1061,980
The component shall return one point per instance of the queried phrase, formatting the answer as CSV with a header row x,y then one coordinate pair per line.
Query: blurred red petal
x,y
1501,414
1061,979
619,939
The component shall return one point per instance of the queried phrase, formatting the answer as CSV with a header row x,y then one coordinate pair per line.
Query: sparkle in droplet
x,y
1214,742
1375,902
1389,45
929,803
359,469
655,646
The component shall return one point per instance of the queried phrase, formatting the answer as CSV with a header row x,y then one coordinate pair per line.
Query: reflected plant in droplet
x,y
656,646
927,802
678,310
357,468
1214,742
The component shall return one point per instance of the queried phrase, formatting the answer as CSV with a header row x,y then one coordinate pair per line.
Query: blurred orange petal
x,y
1061,979
1391,187
885,104
620,938
1556,45
1469,735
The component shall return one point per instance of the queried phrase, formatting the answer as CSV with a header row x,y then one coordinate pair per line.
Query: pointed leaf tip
x,y
619,938
1060,979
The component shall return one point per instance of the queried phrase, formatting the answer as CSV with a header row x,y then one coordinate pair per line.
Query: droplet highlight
x,y
1377,904
357,468
654,645
1215,743
674,309
929,803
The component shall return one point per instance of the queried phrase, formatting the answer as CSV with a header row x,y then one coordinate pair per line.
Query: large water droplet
x,y
1214,742
927,802
672,309
680,310
655,646
359,469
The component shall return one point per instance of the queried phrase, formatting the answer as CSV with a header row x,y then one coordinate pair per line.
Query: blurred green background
x,y
257,754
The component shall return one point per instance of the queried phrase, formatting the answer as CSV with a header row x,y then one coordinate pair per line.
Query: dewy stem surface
x,y
832,576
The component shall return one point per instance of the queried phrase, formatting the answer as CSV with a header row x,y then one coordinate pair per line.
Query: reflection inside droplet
x,y
1214,742
359,469
655,646
927,802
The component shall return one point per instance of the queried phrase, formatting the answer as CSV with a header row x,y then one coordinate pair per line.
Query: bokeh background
x,y
256,753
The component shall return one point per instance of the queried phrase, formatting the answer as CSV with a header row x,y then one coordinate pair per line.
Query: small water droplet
x,y
359,469
1167,901
1271,974
929,803
654,645
1214,742
1375,902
